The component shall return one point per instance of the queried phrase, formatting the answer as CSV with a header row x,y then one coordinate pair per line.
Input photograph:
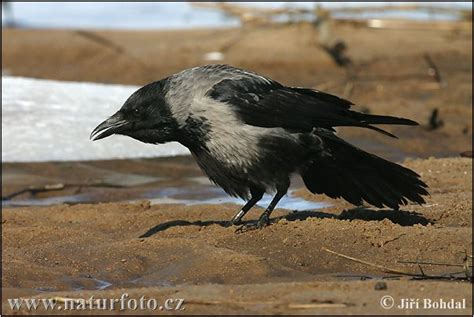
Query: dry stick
x,y
100,40
59,186
395,271
421,270
34,190
431,263
381,267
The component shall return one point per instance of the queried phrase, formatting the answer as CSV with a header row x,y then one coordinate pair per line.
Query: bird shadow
x,y
181,223
400,217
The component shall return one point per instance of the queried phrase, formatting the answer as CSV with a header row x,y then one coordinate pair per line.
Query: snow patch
x,y
46,120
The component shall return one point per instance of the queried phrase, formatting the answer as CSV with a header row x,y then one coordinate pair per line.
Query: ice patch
x,y
46,120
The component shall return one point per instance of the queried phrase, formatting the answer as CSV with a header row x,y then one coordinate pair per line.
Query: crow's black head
x,y
145,116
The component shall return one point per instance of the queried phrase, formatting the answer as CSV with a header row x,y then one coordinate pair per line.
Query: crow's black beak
x,y
114,124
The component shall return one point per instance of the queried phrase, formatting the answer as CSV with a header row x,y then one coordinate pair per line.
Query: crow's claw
x,y
232,223
262,222
245,228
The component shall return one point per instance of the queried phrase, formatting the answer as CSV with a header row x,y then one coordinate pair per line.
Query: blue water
x,y
160,15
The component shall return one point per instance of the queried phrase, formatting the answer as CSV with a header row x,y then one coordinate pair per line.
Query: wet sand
x,y
100,235
187,251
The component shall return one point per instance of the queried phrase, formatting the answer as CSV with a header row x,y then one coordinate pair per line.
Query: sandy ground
x,y
98,243
162,251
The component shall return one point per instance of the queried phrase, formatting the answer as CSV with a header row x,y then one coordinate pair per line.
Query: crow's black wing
x,y
265,103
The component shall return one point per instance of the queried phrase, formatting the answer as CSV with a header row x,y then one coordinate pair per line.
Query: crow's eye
x,y
136,112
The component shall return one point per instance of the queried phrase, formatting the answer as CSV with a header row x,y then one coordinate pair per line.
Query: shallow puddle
x,y
186,195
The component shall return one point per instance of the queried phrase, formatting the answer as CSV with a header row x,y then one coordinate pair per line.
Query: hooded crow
x,y
249,134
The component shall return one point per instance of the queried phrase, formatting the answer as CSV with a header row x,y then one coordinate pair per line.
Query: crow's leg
x,y
264,219
256,196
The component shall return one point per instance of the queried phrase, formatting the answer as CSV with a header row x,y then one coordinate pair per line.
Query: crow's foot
x,y
233,222
262,222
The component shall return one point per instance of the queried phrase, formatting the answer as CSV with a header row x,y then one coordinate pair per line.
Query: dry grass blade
x,y
431,263
381,267
92,36
450,276
55,187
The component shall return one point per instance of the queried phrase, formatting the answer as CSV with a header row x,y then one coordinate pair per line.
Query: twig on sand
x,y
421,275
34,189
381,267
100,40
53,187
431,263
105,42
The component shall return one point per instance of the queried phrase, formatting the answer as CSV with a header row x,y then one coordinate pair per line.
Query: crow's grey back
x,y
191,85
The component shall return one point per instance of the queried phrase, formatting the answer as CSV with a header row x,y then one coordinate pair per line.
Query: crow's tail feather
x,y
376,119
343,170
366,121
